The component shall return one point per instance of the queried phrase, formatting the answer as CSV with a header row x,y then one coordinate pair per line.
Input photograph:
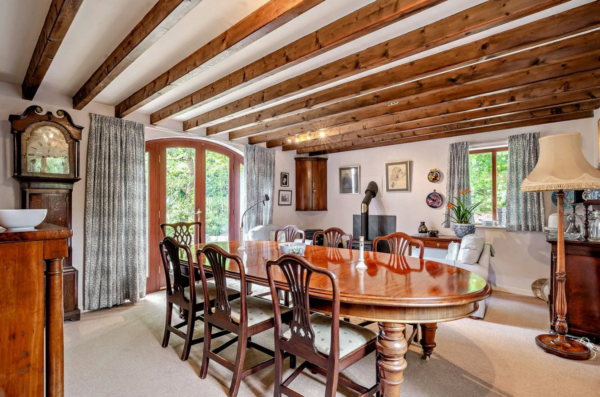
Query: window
x,y
488,170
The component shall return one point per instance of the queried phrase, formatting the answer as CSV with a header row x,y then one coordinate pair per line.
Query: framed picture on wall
x,y
350,179
397,176
285,197
284,179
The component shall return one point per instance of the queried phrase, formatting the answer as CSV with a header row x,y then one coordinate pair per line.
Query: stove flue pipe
x,y
370,194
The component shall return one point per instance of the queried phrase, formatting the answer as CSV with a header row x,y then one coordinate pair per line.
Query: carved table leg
x,y
391,347
54,329
428,339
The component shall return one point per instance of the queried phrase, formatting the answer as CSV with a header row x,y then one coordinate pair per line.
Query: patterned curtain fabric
x,y
524,211
458,175
115,213
259,169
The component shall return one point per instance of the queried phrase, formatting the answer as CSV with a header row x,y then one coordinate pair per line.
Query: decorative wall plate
x,y
569,198
434,175
435,200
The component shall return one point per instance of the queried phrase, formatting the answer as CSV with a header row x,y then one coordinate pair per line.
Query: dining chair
x,y
186,233
333,237
327,344
289,234
179,293
400,244
245,316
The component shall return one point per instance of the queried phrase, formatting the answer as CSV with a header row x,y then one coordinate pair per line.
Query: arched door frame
x,y
156,150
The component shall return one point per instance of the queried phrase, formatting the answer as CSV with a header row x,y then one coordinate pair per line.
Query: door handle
x,y
198,213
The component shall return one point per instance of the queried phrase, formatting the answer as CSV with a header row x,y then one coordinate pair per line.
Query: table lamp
x,y
561,166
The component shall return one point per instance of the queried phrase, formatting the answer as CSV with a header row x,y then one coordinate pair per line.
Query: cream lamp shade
x,y
561,166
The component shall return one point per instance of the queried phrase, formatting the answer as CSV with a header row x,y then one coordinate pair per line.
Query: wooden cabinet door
x,y
304,176
319,185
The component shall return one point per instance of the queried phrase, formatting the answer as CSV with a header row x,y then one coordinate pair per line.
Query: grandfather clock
x,y
46,164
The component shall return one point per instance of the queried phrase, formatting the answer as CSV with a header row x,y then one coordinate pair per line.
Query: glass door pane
x,y
180,185
217,197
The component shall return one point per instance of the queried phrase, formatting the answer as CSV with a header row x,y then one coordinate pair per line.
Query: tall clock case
x,y
46,164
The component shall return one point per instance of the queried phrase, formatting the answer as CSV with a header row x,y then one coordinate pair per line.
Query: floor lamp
x,y
561,166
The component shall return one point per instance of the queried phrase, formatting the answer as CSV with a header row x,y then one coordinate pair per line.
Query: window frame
x,y
494,151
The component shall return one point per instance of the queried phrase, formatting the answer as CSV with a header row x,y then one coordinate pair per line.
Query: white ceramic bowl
x,y
21,219
292,248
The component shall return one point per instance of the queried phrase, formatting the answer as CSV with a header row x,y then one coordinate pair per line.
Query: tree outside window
x,y
488,172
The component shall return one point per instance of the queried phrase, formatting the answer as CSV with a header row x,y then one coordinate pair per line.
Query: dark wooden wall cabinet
x,y
31,294
46,164
311,184
582,264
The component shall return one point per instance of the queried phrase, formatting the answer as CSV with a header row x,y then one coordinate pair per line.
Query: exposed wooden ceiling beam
x,y
473,20
469,131
448,118
267,18
58,21
359,23
402,132
584,84
162,17
500,73
570,22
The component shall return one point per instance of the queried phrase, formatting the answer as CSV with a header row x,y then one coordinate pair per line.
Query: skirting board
x,y
513,290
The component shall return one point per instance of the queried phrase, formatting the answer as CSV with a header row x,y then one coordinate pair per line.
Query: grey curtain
x,y
259,170
115,213
524,211
458,177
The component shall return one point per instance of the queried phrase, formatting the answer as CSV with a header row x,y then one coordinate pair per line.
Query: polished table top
x,y
389,280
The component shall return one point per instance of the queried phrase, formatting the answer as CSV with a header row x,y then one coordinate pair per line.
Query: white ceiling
x,y
101,25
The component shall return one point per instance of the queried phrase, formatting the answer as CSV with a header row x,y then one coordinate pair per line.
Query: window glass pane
x,y
501,175
217,197
480,169
180,187
242,190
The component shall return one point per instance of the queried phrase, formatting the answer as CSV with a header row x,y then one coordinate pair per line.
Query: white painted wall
x,y
11,103
521,258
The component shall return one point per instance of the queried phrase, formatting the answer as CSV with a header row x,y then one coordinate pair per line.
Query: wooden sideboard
x,y
582,263
31,294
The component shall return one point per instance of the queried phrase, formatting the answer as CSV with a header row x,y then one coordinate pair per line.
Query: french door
x,y
191,180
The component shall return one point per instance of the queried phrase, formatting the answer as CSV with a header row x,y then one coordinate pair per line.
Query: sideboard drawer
x,y
437,244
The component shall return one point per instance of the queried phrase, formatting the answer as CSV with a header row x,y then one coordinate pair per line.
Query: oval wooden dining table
x,y
393,291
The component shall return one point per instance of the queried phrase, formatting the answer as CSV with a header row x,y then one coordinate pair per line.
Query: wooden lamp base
x,y
563,347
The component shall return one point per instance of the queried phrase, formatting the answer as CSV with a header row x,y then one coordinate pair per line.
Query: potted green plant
x,y
462,214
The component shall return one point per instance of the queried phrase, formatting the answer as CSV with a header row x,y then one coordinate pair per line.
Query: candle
x,y
361,253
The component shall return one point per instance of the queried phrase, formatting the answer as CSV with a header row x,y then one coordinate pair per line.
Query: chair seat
x,y
259,310
352,336
212,292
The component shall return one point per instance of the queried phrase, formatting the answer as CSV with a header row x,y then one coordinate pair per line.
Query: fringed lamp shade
x,y
561,166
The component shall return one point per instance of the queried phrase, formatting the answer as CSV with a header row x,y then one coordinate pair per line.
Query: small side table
x,y
439,242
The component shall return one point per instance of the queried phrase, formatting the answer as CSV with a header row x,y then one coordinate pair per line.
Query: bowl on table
x,y
15,220
292,248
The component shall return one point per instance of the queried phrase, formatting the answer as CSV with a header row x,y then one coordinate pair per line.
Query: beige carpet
x,y
117,352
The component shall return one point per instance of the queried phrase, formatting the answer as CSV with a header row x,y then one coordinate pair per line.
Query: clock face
x,y
47,151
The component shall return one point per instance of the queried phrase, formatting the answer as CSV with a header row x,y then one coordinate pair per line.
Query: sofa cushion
x,y
470,250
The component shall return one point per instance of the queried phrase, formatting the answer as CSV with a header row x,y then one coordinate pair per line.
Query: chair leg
x,y
279,371
165,341
292,361
188,337
238,367
207,339
332,382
